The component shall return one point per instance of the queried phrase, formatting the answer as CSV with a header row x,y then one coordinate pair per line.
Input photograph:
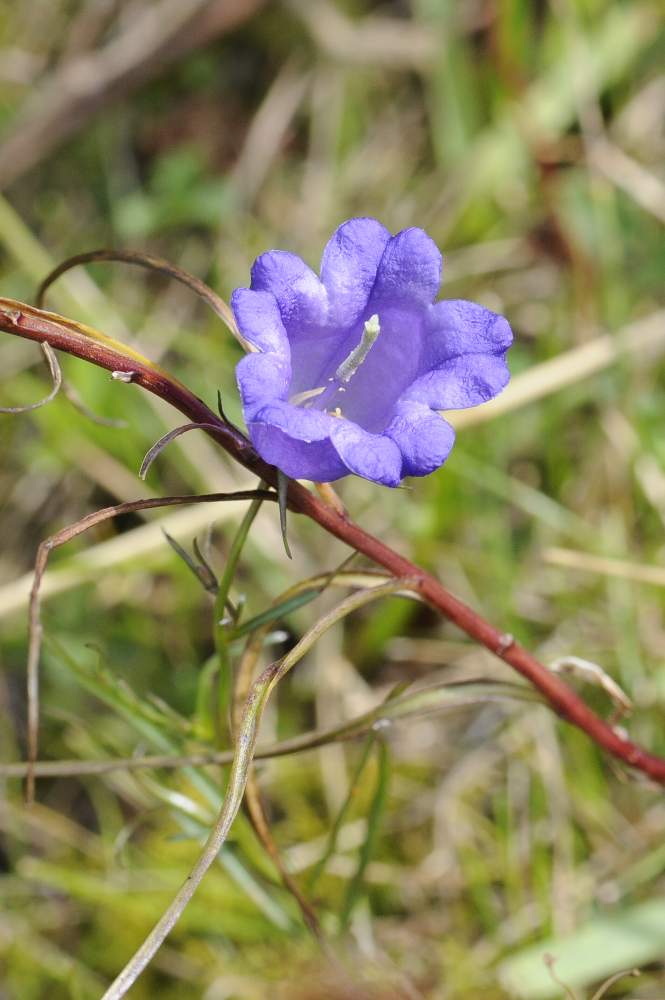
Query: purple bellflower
x,y
350,369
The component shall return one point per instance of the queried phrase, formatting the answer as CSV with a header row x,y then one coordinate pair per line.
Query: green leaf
x,y
604,945
274,613
282,493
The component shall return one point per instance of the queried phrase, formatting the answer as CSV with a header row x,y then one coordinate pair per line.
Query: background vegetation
x,y
527,138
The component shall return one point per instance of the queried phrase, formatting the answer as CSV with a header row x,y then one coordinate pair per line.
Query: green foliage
x,y
458,847
180,193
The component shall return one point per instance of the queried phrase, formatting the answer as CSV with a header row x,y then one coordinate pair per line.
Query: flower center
x,y
337,383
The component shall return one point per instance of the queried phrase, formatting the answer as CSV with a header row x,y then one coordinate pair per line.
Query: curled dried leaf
x,y
56,375
210,297
159,446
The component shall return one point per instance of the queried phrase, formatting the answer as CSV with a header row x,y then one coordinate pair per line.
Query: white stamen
x,y
302,397
350,366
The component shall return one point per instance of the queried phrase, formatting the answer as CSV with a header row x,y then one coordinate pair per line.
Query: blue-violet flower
x,y
350,369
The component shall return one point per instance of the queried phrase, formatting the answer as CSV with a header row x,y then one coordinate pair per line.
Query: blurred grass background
x,y
528,139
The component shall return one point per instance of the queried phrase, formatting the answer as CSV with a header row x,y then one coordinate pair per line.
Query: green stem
x,y
351,794
221,631
376,811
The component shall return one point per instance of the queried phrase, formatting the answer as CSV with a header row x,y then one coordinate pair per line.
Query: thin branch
x,y
609,983
224,615
232,801
61,334
310,587
44,551
245,744
151,263
430,700
341,815
258,819
253,804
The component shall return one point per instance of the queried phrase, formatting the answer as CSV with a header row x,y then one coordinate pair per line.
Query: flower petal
x,y
447,355
371,456
297,422
259,320
300,295
423,437
316,461
297,441
261,378
410,269
461,382
456,327
349,265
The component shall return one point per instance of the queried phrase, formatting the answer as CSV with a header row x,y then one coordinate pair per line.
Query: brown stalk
x,y
254,806
33,324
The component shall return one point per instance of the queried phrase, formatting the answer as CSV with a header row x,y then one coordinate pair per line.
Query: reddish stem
x,y
33,324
